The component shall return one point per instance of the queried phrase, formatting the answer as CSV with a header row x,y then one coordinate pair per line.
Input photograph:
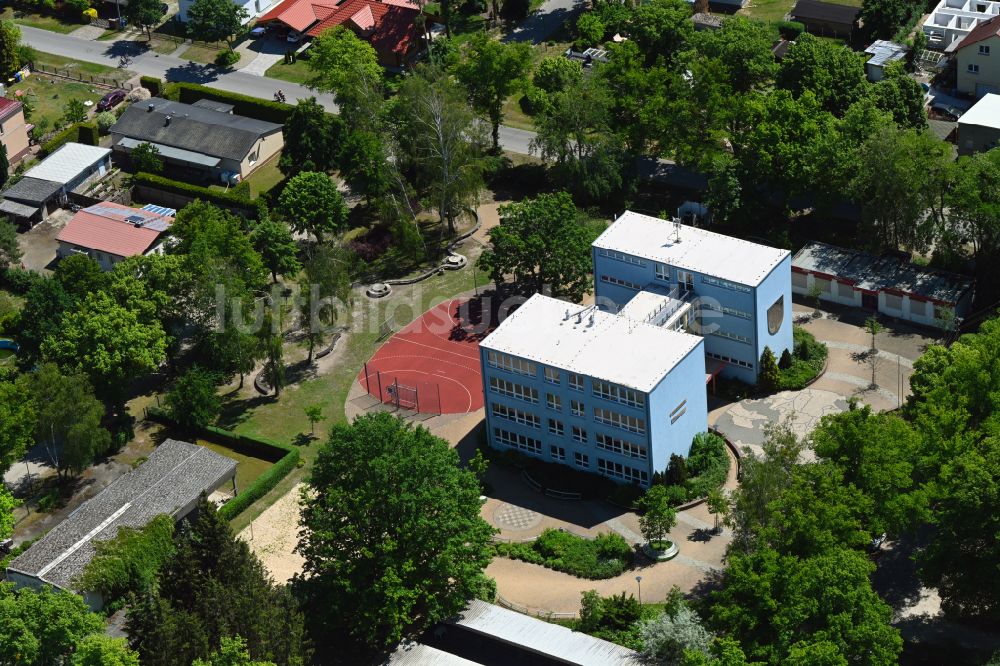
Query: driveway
x,y
260,54
39,245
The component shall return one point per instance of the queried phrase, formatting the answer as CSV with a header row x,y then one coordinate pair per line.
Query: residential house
x,y
978,59
207,141
170,482
390,27
109,233
254,8
13,130
882,53
979,127
826,19
952,21
297,15
46,186
888,284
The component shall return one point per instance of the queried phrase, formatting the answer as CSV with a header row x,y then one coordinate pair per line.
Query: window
x,y
727,359
661,271
620,283
576,407
614,419
776,315
511,364
732,336
575,381
732,312
685,279
620,446
625,396
679,411
579,434
510,389
513,439
621,256
726,284
845,290
619,471
557,452
516,415
553,402
918,308
893,302
799,280
581,459
984,49
556,427
973,69
551,375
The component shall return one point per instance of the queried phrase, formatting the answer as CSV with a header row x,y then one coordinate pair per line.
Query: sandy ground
x,y
274,534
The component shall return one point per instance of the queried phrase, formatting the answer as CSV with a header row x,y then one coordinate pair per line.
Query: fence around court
x,y
418,397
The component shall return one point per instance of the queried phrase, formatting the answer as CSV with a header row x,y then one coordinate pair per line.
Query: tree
x,y
212,588
899,94
69,418
769,377
556,73
39,628
873,328
217,21
347,66
44,305
10,49
776,606
324,292
102,650
590,29
110,343
717,504
273,346
146,158
363,164
7,506
231,652
17,424
658,517
441,142
883,18
10,251
129,562
312,204
830,71
193,401
786,360
311,137
144,13
491,73
80,275
662,28
973,204
74,112
744,48
514,10
315,414
668,636
541,243
278,250
375,568
4,166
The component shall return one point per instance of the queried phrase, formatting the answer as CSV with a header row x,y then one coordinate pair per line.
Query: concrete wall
x,y
14,136
775,291
988,77
685,384
976,138
266,148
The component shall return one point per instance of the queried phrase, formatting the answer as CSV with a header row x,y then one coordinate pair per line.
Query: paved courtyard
x,y
38,245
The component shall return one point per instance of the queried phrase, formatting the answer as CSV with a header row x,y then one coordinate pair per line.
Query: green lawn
x,y
50,97
265,177
50,23
82,67
775,10
202,53
297,72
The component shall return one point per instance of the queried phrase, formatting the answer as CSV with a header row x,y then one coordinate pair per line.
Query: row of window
x,y
516,415
726,359
725,284
516,440
621,256
513,390
661,272
618,393
742,314
619,471
610,279
620,446
511,363
623,421
731,336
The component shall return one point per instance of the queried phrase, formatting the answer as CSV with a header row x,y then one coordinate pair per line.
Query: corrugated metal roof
x,y
409,653
169,152
551,640
883,52
68,162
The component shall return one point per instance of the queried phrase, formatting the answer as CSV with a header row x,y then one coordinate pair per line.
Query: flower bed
x,y
606,556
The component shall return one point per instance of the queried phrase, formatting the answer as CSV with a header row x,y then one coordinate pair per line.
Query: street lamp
x,y
475,284
638,580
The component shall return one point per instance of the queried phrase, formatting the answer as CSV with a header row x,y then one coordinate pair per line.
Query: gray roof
x,y
170,481
888,271
31,191
409,653
221,107
550,640
17,209
192,128
171,153
883,52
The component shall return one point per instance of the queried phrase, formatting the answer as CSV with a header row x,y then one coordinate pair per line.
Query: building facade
x,y
952,21
597,391
979,127
978,56
738,293
13,130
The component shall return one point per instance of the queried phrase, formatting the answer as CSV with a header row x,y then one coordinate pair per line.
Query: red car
x,y
111,100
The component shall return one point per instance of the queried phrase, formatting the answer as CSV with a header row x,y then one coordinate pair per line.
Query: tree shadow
x,y
192,72
236,412
702,535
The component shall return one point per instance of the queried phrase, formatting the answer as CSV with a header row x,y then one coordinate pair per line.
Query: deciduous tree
x,y
217,21
833,73
144,13
658,517
43,627
311,138
80,275
146,158
662,28
102,650
17,423
273,241
193,401
312,204
10,49
491,73
10,251
347,66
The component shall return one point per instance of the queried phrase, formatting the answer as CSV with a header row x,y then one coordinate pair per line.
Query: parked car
x,y
111,100
294,37
946,111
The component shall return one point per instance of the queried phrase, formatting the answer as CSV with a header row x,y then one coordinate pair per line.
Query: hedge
x,y
152,84
237,197
78,132
790,29
284,456
243,105
606,556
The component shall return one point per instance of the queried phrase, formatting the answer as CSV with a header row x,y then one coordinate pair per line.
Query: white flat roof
x,y
595,343
720,256
68,162
985,113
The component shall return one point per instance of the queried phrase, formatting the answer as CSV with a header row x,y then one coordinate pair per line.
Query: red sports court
x,y
431,365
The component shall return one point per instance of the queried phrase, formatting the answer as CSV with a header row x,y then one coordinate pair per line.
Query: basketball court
x,y
431,366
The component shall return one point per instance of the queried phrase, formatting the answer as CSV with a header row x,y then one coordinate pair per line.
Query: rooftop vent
x,y
166,120
150,108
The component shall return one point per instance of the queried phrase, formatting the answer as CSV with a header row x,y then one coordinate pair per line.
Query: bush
x,y
372,244
89,134
790,29
75,8
67,135
19,281
105,119
708,464
227,58
152,84
534,101
244,105
807,362
237,199
607,556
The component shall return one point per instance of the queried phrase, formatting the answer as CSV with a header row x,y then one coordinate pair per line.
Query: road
x,y
547,20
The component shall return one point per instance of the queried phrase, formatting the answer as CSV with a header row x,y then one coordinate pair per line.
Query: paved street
x,y
547,20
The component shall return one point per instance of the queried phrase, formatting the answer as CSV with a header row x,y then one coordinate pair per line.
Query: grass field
x,y
202,54
42,22
775,10
50,97
297,72
91,68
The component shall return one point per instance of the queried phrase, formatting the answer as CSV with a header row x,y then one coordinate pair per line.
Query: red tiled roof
x,y
102,228
299,14
393,24
8,107
984,30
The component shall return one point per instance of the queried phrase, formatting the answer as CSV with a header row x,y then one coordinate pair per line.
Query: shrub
x,y
89,14
807,362
105,119
372,244
604,557
237,199
67,135
19,281
244,105
769,377
785,361
790,29
152,84
227,58
708,464
130,561
75,8
89,134
534,101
